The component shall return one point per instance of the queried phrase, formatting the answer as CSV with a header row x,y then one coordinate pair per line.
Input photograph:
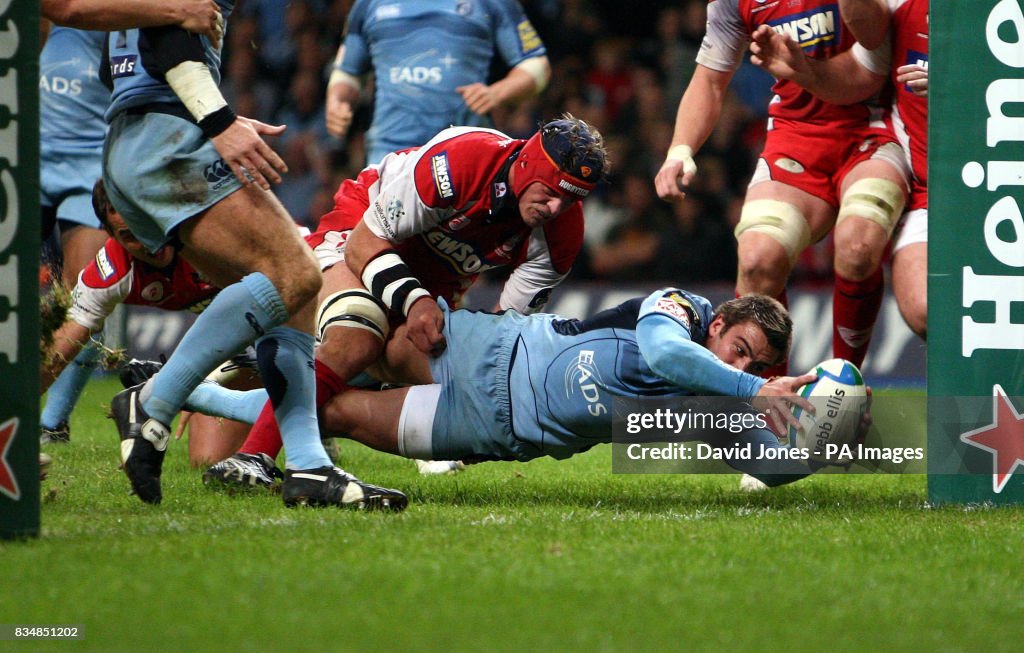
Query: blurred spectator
x,y
609,83
698,246
629,249
306,177
242,78
303,111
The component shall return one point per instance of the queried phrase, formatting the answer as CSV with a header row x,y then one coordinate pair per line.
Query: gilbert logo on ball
x,y
839,397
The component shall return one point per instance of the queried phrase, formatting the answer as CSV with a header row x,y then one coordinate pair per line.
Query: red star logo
x,y
8,483
1003,438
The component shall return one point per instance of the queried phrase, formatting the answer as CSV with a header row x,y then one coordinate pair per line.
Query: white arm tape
x,y
192,82
339,76
539,69
682,153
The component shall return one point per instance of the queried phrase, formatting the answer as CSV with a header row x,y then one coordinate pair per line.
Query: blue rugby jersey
x,y
71,97
420,51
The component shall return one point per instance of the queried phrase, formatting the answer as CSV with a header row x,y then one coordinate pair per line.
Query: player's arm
x,y
696,117
667,349
842,79
67,342
383,272
868,20
525,80
198,16
343,91
179,56
90,307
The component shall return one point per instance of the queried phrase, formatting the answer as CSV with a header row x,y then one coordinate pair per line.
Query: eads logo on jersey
x,y
812,29
583,375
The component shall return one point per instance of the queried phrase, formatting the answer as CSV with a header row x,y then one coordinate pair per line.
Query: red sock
x,y
264,437
855,306
328,384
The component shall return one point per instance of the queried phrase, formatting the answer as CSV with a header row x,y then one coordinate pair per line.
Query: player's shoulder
x,y
510,8
457,165
729,7
360,10
111,264
689,309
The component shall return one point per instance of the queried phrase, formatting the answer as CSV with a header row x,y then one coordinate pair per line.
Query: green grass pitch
x,y
545,556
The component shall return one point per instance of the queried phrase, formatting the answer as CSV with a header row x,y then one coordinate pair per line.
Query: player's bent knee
x,y
780,221
353,309
914,310
878,200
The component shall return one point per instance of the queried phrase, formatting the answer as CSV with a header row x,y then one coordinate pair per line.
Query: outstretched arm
x,y
695,119
670,353
198,16
839,80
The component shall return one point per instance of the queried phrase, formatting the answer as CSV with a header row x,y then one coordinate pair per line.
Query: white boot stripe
x,y
312,477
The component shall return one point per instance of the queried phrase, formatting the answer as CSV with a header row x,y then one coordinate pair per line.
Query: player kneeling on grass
x,y
498,391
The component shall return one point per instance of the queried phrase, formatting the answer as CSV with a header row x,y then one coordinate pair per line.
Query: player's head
x,y
115,225
751,333
558,166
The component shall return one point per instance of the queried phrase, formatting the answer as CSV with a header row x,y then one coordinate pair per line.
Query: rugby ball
x,y
839,397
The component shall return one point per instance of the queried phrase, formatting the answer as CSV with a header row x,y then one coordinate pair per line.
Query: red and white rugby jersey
x,y
815,24
907,44
115,277
448,209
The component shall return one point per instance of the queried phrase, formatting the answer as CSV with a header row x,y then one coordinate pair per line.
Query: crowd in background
x,y
619,66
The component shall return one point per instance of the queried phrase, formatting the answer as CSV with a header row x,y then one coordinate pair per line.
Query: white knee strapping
x,y
780,220
356,309
878,200
416,422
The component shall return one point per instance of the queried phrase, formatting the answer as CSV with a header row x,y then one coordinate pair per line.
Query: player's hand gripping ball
x,y
840,398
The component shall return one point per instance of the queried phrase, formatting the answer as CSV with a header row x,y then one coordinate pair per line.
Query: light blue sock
x,y
67,388
285,357
217,401
238,315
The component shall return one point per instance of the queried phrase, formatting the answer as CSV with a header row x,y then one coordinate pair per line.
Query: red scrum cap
x,y
566,155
